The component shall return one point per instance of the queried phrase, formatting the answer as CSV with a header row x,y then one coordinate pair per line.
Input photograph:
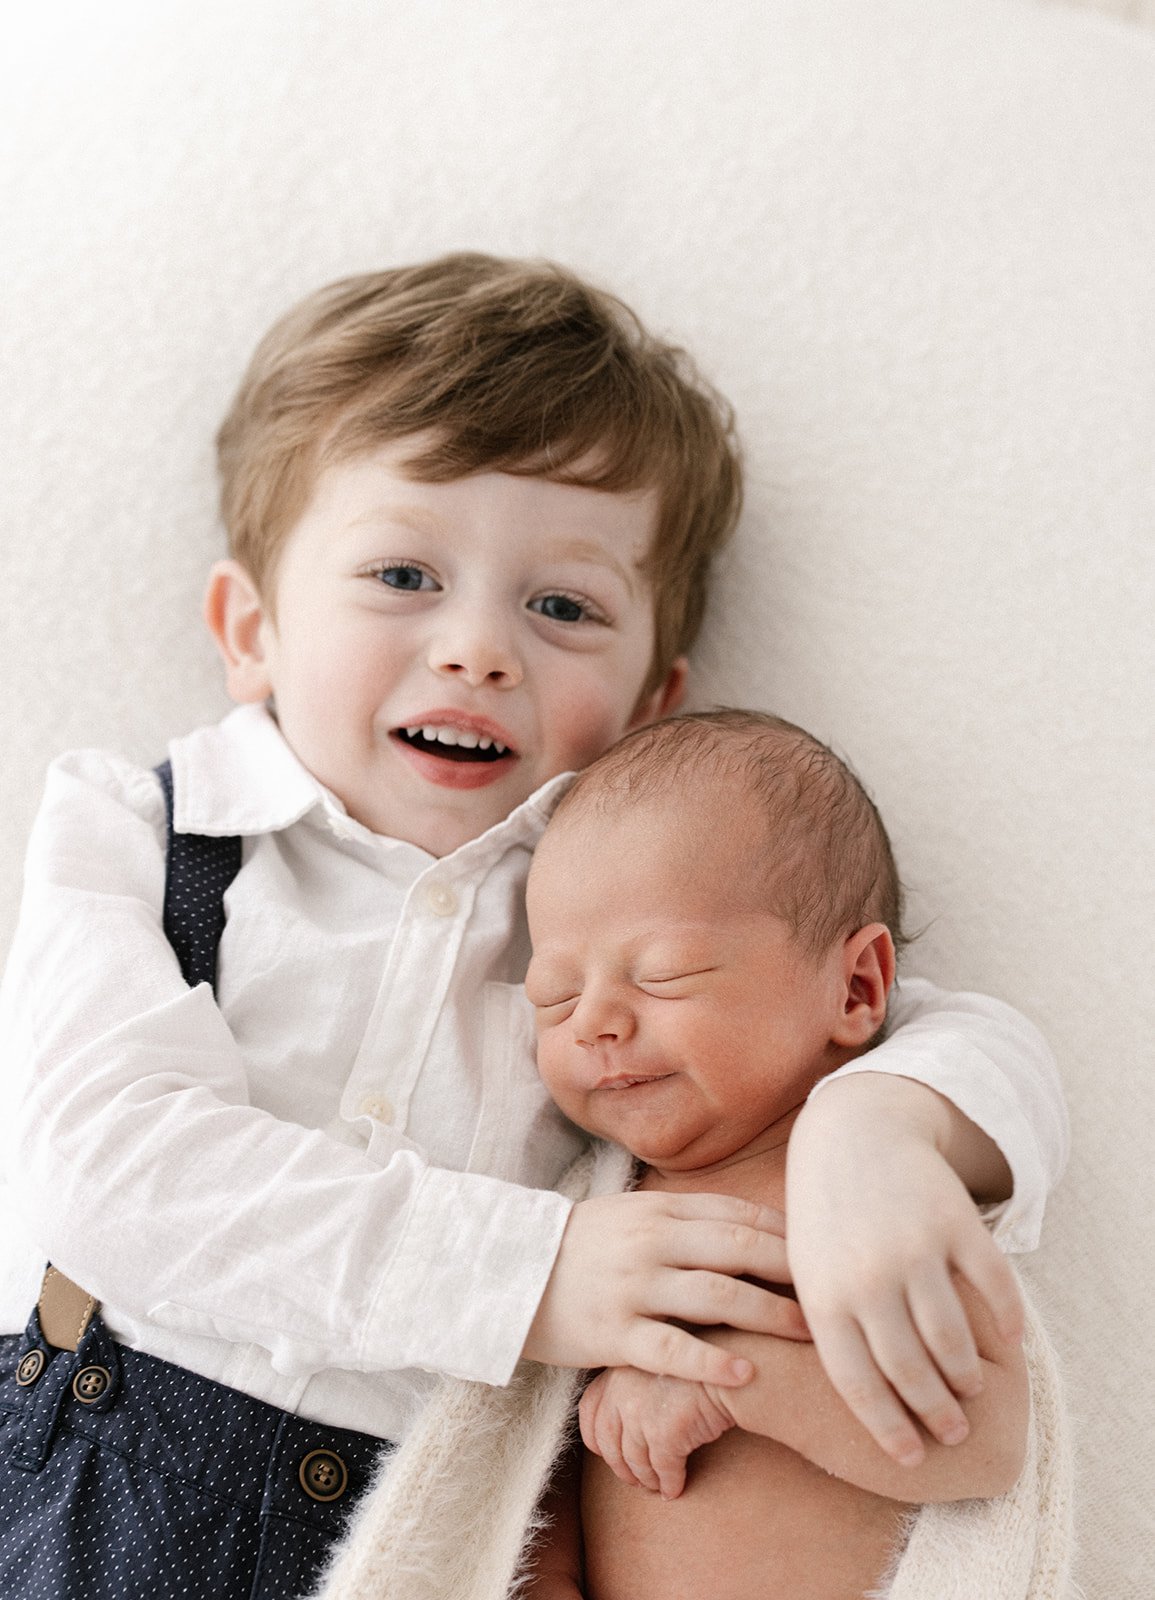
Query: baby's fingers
x,y
670,1473
636,1455
601,1433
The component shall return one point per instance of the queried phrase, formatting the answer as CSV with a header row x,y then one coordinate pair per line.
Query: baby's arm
x,y
883,1162
644,1427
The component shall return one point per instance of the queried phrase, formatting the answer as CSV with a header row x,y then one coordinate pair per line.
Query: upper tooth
x,y
459,736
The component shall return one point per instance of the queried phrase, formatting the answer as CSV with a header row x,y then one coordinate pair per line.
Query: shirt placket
x,y
411,996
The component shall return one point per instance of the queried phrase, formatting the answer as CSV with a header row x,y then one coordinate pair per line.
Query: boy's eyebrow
x,y
587,550
420,520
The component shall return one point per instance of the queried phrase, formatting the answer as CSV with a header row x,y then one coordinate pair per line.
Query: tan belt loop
x,y
65,1310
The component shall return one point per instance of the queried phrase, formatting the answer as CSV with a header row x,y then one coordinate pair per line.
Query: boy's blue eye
x,y
405,576
559,608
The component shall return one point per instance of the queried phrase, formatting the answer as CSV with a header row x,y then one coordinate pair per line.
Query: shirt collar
x,y
240,777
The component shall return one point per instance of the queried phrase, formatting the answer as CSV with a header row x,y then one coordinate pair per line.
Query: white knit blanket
x,y
453,1513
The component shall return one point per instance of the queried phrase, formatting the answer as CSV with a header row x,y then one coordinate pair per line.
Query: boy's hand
x,y
644,1427
878,1220
631,1265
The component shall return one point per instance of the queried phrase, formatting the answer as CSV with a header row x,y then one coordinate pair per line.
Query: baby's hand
x,y
878,1223
632,1266
644,1427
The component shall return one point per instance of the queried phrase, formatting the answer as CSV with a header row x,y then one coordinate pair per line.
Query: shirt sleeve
x,y
138,1165
995,1066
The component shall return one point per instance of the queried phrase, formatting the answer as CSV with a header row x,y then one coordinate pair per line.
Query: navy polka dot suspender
x,y
198,870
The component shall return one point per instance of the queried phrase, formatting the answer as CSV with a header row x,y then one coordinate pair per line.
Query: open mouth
x,y
453,744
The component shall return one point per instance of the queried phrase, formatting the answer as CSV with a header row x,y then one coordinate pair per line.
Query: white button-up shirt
x,y
332,1178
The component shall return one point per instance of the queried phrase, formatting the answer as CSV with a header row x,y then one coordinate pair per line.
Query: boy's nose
x,y
477,654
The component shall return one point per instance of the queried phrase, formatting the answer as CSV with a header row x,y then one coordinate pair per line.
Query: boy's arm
x,y
644,1427
880,1164
144,1172
792,1400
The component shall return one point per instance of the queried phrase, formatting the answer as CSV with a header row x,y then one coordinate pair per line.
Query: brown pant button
x,y
90,1383
29,1368
323,1475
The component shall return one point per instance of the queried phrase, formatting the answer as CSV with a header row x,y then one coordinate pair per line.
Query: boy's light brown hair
x,y
501,365
824,859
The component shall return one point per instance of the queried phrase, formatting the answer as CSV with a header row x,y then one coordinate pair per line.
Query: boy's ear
x,y
868,973
665,699
236,616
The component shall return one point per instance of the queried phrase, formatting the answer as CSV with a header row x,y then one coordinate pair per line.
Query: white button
x,y
377,1107
442,900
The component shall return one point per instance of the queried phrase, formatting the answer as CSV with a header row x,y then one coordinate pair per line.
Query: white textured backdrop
x,y
912,239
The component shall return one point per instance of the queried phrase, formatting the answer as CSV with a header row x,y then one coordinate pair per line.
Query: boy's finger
x,y
672,1352
713,1299
851,1368
985,1267
942,1325
727,1209
714,1245
904,1361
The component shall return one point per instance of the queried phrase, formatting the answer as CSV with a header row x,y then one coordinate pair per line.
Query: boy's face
x,y
436,651
676,1015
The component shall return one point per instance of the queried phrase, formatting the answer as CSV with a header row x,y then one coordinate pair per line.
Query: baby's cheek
x,y
551,1066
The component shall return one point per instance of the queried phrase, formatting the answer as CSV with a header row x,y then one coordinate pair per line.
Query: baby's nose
x,y
600,1020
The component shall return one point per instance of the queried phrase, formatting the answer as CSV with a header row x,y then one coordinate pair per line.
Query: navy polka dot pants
x,y
126,1478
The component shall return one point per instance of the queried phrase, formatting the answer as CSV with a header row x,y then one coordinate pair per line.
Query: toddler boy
x,y
472,507
715,911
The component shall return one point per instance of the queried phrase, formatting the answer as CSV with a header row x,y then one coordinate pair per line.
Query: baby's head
x,y
496,438
714,912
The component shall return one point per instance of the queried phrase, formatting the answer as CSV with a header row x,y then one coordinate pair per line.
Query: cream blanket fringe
x,y
452,1514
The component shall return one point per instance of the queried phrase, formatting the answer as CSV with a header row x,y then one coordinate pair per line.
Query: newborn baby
x,y
715,912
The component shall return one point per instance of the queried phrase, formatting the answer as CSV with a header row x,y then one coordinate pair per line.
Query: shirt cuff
x,y
465,1281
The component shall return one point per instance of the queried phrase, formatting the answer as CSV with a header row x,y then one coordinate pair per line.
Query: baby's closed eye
x,y
673,985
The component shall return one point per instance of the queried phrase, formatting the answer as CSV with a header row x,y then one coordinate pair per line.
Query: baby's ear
x,y
235,615
867,973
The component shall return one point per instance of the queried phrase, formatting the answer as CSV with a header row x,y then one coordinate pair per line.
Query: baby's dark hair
x,y
829,867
